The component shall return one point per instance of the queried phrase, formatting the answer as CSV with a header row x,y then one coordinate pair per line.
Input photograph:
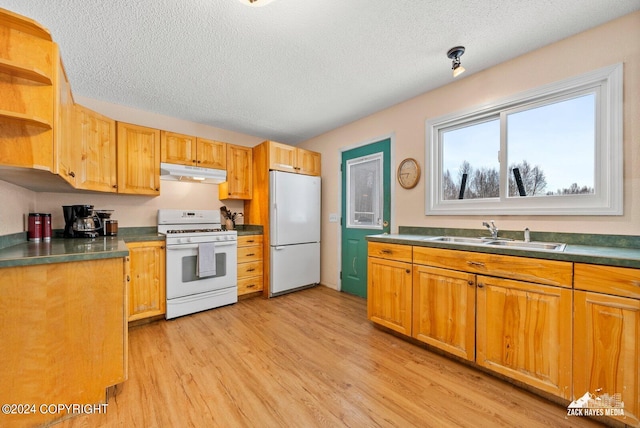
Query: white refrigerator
x,y
294,228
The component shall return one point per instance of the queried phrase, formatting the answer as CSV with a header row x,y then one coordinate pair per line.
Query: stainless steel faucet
x,y
492,228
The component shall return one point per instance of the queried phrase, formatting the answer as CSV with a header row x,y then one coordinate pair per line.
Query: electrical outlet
x,y
333,218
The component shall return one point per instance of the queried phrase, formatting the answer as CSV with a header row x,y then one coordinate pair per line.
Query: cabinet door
x,y
65,147
308,162
239,174
524,332
177,148
96,142
444,313
389,294
147,285
211,154
606,359
138,159
282,157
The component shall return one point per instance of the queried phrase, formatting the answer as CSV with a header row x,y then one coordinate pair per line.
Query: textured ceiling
x,y
292,69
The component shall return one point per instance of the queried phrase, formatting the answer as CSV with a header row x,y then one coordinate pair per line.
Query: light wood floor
x,y
306,359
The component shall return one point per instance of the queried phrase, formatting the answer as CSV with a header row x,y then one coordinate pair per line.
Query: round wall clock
x,y
408,173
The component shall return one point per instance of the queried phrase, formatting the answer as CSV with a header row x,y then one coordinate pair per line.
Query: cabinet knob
x,y
251,269
470,282
128,278
480,285
251,285
408,270
115,186
72,174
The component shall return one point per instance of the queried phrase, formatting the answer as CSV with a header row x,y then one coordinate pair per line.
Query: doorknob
x,y
385,223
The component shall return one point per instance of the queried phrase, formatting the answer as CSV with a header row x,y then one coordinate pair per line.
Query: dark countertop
x,y
61,250
16,251
594,254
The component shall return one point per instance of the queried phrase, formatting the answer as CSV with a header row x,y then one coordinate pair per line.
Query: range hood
x,y
193,174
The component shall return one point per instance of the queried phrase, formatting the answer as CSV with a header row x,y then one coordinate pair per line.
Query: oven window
x,y
190,264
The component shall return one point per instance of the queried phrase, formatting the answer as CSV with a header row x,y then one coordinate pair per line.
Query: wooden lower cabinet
x,y
250,264
64,335
524,331
444,314
389,294
607,336
147,293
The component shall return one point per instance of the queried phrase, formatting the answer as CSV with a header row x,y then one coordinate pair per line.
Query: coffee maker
x,y
80,221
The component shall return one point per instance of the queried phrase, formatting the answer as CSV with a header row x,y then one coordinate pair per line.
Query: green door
x,y
366,208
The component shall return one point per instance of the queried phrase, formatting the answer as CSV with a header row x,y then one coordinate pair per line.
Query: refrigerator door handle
x,y
278,248
274,224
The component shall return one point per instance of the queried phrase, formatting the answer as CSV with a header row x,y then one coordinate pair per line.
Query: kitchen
x,y
406,122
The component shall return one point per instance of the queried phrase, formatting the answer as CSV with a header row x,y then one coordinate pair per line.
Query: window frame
x,y
608,179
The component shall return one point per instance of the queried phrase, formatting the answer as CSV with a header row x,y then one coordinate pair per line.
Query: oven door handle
x,y
190,246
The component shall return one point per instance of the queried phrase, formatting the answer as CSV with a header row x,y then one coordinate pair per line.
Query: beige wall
x,y
130,211
615,42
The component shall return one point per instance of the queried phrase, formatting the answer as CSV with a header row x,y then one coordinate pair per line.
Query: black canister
x,y
35,227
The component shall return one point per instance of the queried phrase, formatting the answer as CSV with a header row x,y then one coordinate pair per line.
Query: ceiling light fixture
x,y
255,3
455,54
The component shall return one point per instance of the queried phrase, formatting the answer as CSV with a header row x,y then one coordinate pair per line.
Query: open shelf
x,y
14,69
25,118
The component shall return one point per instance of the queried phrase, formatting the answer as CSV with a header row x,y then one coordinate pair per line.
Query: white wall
x,y
615,42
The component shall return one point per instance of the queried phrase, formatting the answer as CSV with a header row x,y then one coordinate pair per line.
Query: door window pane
x,y
470,161
364,192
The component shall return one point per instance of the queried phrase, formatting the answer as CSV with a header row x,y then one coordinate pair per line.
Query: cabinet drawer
x,y
250,269
247,240
390,251
550,272
619,281
247,254
249,285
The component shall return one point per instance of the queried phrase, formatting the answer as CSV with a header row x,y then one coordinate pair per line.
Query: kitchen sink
x,y
460,240
553,246
507,243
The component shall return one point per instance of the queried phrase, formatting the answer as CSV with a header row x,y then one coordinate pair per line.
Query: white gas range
x,y
201,261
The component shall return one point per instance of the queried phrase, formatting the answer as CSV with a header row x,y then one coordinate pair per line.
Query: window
x,y
365,194
553,150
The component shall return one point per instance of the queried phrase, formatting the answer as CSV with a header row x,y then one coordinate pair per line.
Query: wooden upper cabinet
x,y
65,122
282,157
193,151
293,159
138,159
308,162
211,154
239,174
27,64
95,140
178,148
